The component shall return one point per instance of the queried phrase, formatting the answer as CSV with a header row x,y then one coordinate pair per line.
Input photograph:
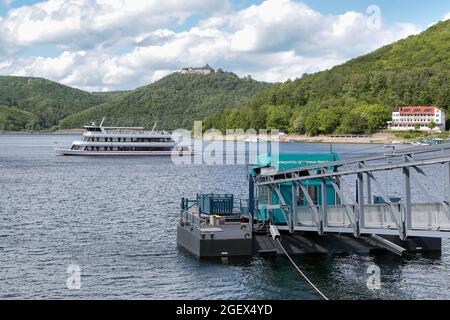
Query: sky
x,y
104,45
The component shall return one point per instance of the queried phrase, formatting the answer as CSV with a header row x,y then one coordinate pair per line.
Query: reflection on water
x,y
116,218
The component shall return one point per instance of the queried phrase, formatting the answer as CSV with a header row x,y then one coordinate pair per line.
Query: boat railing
x,y
193,219
191,214
118,130
216,205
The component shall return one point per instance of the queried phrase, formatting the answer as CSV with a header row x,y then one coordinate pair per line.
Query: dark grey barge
x,y
235,240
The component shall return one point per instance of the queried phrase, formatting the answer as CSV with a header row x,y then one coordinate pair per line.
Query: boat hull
x,y
69,152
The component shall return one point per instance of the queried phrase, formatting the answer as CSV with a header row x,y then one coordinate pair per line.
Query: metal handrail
x,y
191,219
338,163
391,166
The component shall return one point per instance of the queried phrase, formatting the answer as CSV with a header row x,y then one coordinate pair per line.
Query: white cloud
x,y
5,65
86,23
54,68
273,41
447,16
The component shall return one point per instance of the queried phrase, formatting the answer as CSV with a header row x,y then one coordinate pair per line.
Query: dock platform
x,y
230,239
235,240
320,204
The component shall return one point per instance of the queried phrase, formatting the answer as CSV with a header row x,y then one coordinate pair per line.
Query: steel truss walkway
x,y
360,215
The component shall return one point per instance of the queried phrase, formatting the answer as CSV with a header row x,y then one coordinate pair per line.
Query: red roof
x,y
415,110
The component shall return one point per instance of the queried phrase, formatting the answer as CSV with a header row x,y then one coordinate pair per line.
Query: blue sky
x,y
125,44
416,11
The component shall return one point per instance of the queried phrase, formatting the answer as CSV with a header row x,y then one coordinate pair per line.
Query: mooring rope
x,y
300,271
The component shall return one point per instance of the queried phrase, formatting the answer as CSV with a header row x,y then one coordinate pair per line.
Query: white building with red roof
x,y
417,118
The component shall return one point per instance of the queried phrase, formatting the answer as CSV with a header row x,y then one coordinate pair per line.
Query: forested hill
x,y
357,96
35,103
174,101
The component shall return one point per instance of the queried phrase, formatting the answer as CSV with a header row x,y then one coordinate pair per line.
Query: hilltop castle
x,y
202,70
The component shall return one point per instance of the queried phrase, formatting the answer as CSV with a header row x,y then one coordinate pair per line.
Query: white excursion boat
x,y
99,140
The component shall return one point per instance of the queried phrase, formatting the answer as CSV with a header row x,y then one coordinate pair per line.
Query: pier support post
x,y
369,190
251,201
337,186
406,219
323,216
448,180
294,208
359,219
271,215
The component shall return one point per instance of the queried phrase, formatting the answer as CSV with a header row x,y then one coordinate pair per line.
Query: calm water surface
x,y
116,218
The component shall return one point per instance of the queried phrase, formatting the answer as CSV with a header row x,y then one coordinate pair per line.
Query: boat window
x,y
313,192
95,129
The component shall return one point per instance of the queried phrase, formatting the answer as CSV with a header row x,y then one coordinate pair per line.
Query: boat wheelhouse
x,y
99,140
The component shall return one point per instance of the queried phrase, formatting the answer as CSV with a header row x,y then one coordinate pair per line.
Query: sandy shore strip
x,y
379,138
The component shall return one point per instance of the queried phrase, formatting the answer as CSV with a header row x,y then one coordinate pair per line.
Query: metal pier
x,y
321,204
354,212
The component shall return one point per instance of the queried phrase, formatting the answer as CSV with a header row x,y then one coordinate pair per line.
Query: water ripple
x,y
116,218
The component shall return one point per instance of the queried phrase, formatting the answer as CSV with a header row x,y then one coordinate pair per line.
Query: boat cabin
x,y
265,196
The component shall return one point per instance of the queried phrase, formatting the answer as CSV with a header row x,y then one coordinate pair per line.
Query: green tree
x,y
297,123
278,118
311,124
353,123
328,120
377,116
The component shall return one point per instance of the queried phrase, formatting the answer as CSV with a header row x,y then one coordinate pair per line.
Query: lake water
x,y
116,219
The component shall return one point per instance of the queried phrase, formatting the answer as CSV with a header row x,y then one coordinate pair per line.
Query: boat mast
x,y
101,124
154,126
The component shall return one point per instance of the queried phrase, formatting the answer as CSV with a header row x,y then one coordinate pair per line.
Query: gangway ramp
x,y
354,212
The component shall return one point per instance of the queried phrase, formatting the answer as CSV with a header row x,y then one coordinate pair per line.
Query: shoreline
x,y
378,138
